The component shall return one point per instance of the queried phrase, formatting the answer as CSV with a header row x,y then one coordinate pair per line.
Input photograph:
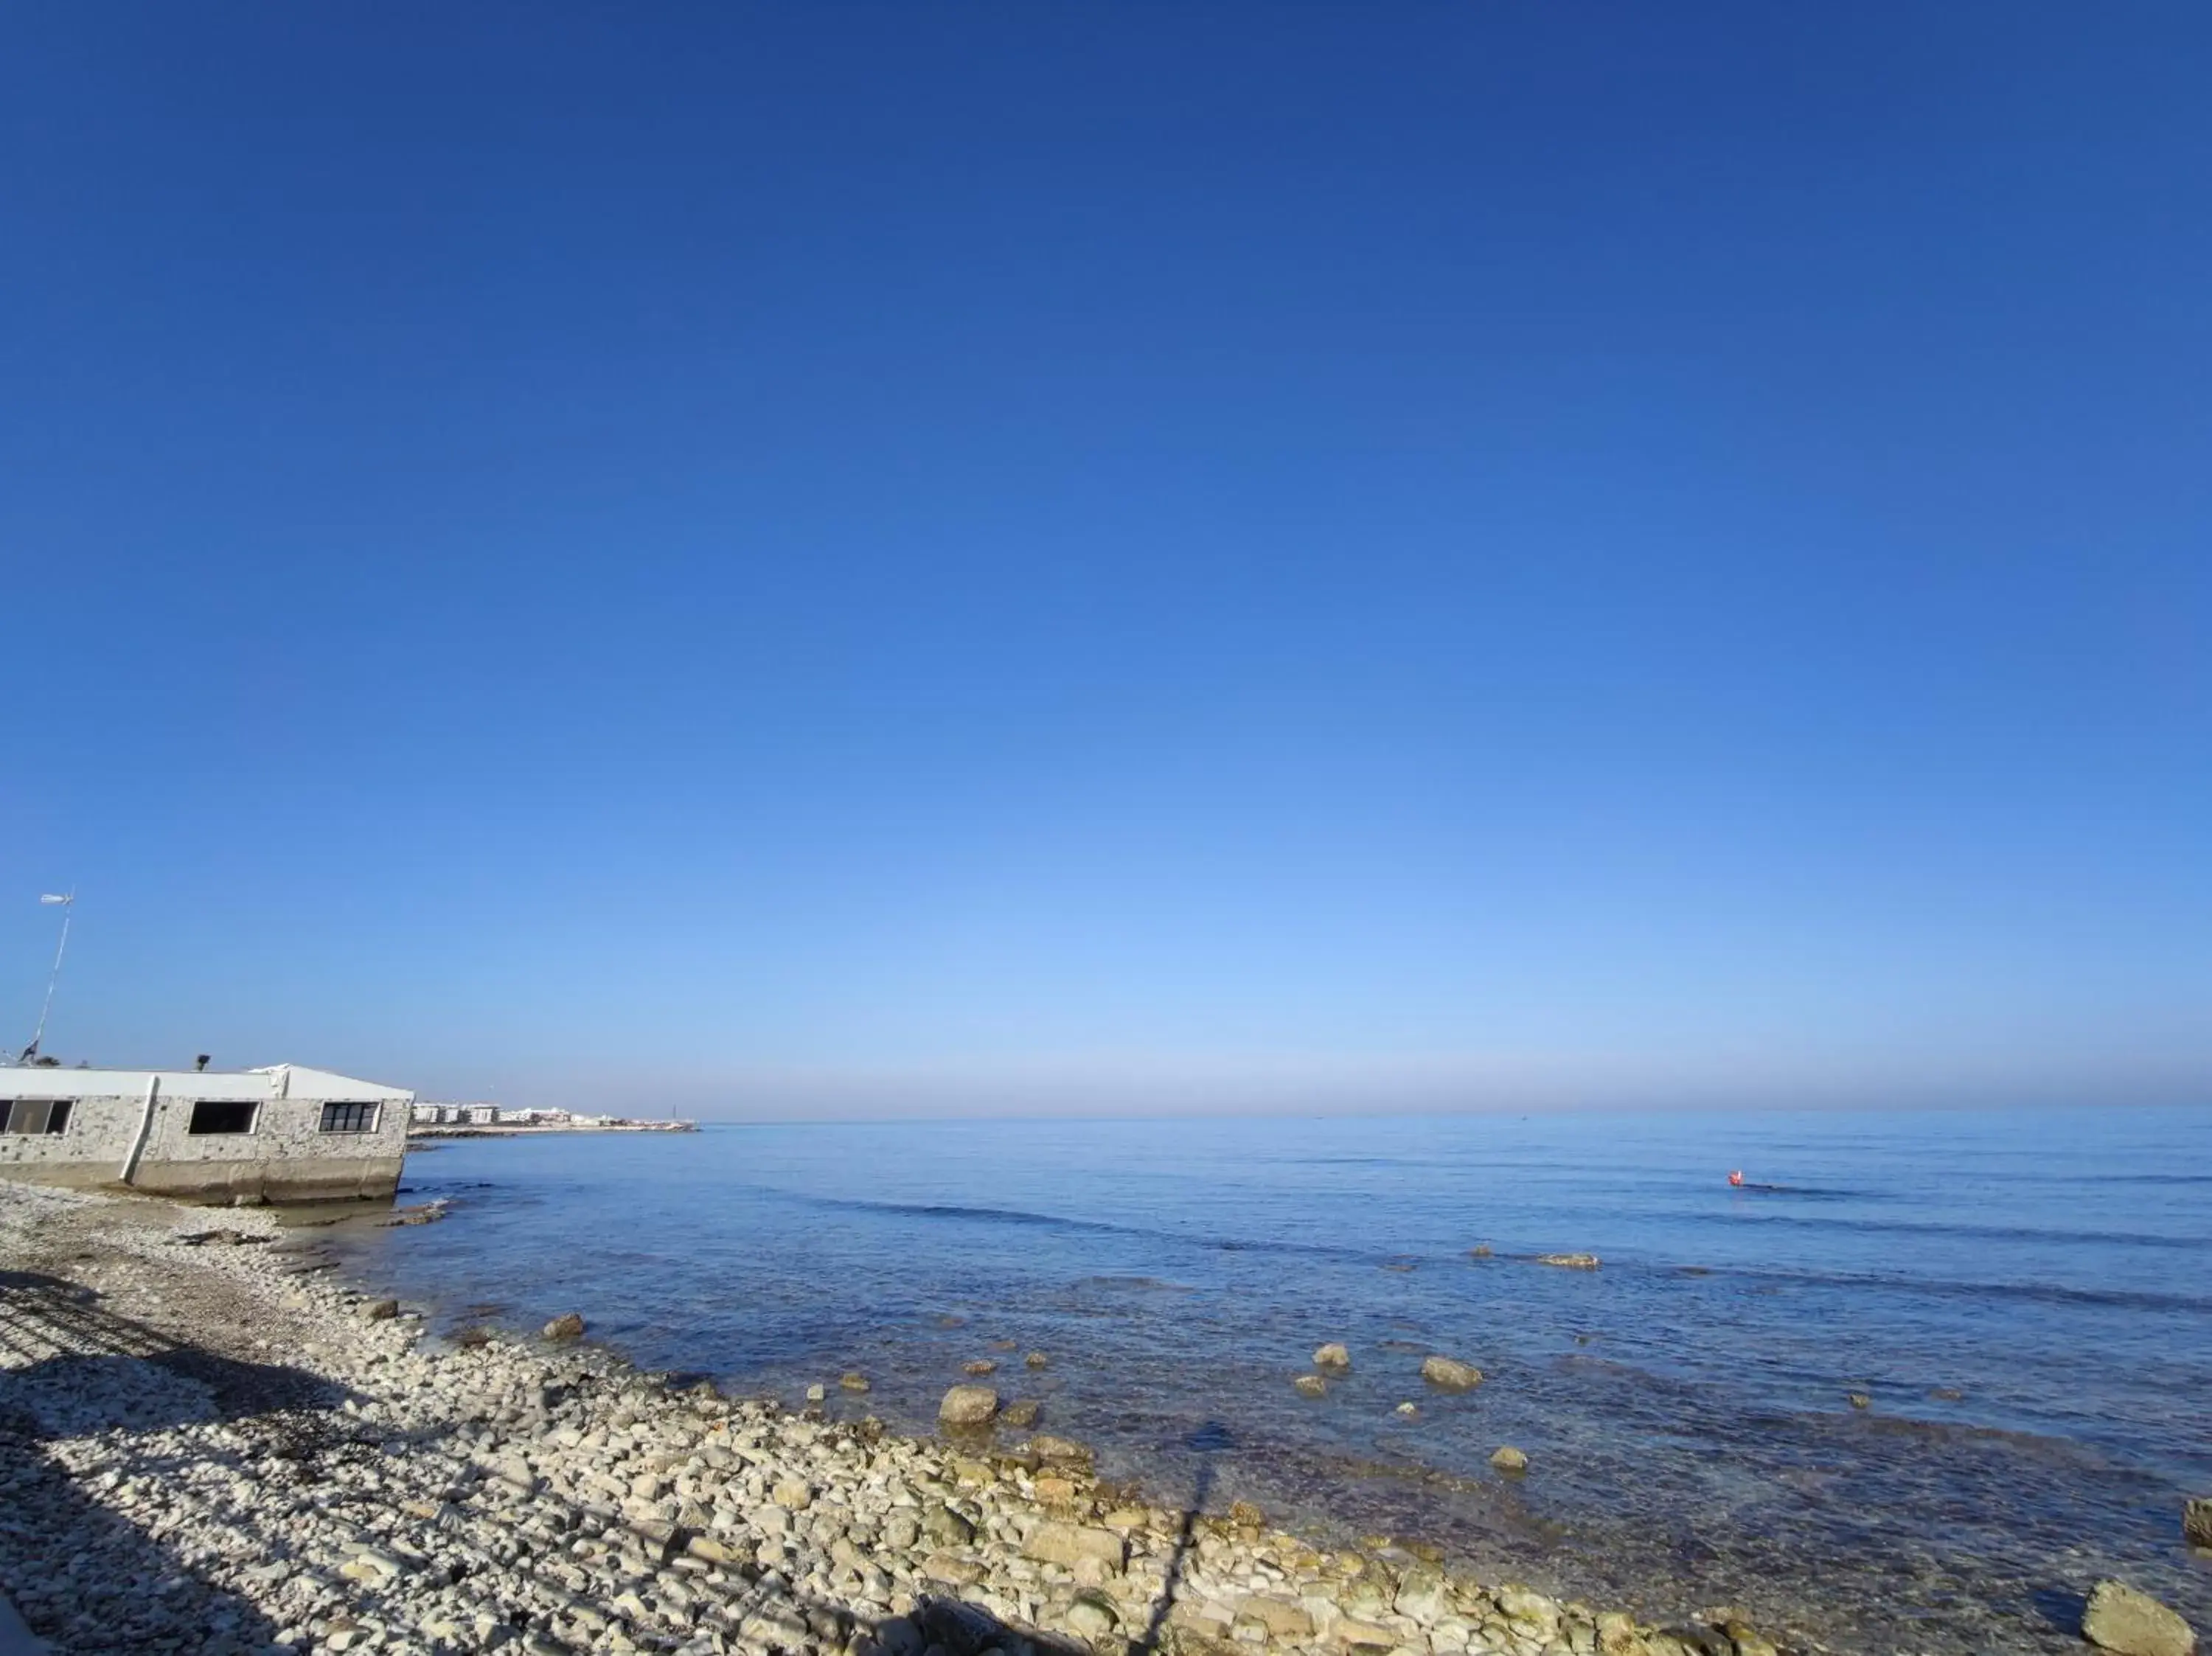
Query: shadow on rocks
x,y
86,1577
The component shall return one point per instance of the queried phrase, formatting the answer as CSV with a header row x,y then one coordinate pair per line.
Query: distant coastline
x,y
541,1129
432,1119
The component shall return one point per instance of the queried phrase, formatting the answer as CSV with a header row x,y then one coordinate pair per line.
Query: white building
x,y
282,1134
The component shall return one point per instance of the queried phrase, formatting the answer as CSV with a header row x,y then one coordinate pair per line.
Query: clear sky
x,y
825,558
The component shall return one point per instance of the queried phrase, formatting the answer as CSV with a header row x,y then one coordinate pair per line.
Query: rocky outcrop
x,y
1450,1373
968,1405
2130,1624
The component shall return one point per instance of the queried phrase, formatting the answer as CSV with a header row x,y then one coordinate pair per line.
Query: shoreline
x,y
205,1399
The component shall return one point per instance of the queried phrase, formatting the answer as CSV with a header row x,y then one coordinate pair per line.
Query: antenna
x,y
67,905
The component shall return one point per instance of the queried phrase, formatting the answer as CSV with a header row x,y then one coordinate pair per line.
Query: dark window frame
x,y
51,1114
347,1115
220,1118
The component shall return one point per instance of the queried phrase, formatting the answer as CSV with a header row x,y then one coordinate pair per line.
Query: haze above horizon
x,y
843,561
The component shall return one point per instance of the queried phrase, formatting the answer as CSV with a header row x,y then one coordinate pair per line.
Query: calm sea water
x,y
1685,1408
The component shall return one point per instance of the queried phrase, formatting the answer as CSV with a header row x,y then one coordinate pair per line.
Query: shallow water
x,y
1683,1408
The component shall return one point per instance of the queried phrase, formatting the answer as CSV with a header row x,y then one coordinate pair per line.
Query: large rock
x,y
1450,1373
968,1405
568,1326
1053,1542
2131,1624
1045,1447
2196,1523
1509,1459
1332,1355
1280,1618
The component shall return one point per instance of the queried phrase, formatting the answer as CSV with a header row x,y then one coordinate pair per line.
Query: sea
x,y
1915,1386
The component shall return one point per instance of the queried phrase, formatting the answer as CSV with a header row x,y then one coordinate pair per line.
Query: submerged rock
x,y
1332,1355
1509,1459
1450,1373
853,1382
1859,1399
1022,1412
981,1366
1035,1360
1479,1251
1311,1386
1569,1261
2131,1624
1409,1410
2196,1523
968,1406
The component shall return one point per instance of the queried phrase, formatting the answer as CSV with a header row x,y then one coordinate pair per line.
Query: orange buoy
x,y
1736,1178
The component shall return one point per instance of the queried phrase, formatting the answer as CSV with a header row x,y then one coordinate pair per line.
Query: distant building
x,y
283,1134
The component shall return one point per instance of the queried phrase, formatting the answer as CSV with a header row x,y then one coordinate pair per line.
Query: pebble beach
x,y
213,1444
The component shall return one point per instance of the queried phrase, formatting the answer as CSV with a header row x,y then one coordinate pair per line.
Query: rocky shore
x,y
213,1445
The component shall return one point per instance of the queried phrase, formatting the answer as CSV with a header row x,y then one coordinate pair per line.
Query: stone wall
x,y
286,1158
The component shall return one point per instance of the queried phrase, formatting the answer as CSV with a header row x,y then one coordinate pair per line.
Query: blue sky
x,y
844,558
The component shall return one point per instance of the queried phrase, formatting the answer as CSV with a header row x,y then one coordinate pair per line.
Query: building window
x,y
348,1117
222,1115
35,1115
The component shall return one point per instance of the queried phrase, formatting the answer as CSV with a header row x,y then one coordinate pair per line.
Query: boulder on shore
x,y
968,1405
568,1326
1332,1355
381,1311
1450,1373
2131,1624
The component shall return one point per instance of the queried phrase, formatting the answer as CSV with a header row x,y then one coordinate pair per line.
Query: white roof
x,y
278,1080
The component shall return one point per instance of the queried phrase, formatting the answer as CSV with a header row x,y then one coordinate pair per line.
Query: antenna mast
x,y
69,913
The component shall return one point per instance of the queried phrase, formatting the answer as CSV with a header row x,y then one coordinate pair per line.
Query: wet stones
x,y
968,1405
1332,1355
2196,1523
2131,1624
1449,1373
